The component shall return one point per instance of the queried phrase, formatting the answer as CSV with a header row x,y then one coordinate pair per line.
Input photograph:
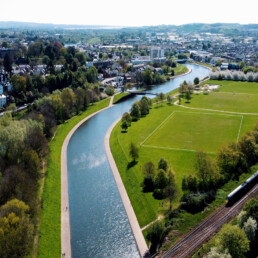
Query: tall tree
x,y
8,64
134,151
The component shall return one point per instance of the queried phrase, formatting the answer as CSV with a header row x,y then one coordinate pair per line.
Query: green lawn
x,y
180,69
50,228
182,162
181,131
236,102
119,96
235,87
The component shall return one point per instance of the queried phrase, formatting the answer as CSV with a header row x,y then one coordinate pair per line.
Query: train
x,y
242,189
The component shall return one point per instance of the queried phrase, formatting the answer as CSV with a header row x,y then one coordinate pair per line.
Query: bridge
x,y
143,93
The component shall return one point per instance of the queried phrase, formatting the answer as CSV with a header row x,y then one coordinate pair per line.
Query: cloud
x,y
89,161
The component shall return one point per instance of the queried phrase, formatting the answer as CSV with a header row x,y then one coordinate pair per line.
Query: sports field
x,y
191,131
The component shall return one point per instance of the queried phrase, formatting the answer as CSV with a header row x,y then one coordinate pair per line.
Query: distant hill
x,y
34,25
223,28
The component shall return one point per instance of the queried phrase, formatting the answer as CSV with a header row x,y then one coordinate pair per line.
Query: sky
x,y
130,13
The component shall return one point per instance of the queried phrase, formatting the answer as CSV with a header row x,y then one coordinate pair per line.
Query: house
x,y
224,66
2,100
1,89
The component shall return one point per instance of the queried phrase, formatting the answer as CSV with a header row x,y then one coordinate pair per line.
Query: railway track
x,y
206,229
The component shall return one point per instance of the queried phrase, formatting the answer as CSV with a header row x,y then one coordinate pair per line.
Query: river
x,y
98,221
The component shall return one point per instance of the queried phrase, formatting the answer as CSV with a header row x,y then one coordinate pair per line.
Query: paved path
x,y
65,217
159,218
142,246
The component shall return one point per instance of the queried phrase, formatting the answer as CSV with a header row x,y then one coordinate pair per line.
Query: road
x,y
193,240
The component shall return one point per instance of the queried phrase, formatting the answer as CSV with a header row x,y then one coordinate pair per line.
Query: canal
x,y
98,221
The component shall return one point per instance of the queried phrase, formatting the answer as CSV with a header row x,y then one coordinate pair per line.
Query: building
x,y
157,52
1,89
2,100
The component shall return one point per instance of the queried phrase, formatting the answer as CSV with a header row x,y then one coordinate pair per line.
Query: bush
x,y
196,202
158,194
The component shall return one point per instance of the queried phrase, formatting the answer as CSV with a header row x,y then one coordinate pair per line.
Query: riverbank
x,y
142,246
65,217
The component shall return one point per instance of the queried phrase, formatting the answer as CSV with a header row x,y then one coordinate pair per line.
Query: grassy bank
x,y
50,228
180,69
117,97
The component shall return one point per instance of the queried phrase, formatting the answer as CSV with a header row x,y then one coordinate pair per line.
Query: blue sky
x,y
130,13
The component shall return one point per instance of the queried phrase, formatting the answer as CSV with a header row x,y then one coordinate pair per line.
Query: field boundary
x,y
235,93
157,128
183,149
170,148
240,127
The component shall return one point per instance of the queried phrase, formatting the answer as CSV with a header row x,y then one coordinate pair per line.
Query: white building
x,y
2,100
157,52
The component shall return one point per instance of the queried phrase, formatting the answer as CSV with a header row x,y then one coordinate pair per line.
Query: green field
x,y
237,87
50,227
195,135
220,127
234,102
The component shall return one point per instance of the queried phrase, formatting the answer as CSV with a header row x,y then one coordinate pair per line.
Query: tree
x,y
124,126
196,80
8,63
251,208
16,229
234,239
206,168
163,164
216,253
169,99
154,234
161,96
148,168
231,161
135,111
144,107
250,227
242,218
248,145
148,77
109,90
19,84
161,180
92,74
188,96
127,118
171,189
134,151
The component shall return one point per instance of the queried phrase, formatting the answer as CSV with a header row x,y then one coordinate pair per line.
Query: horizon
x,y
136,14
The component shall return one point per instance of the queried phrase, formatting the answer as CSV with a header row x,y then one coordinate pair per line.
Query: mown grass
x,y
182,162
50,228
180,69
245,103
117,97
235,87
194,135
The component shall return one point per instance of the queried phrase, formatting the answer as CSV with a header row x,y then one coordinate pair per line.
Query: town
x,y
120,60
